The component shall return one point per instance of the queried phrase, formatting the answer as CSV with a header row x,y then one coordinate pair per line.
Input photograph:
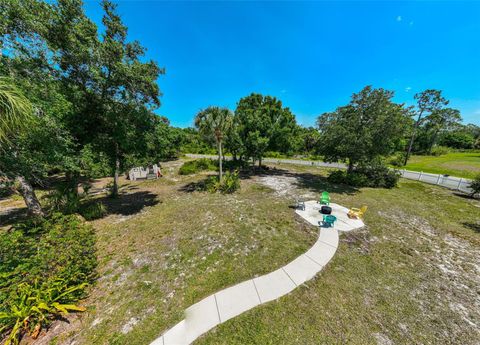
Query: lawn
x,y
461,164
411,276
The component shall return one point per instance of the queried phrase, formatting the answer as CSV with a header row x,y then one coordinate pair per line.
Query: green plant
x,y
212,184
45,267
63,199
372,175
195,166
475,185
93,211
30,307
440,150
230,182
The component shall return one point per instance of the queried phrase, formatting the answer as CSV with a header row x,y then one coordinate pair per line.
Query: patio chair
x,y
325,198
357,212
329,220
300,204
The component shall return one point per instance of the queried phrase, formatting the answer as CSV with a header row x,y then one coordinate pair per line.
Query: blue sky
x,y
311,55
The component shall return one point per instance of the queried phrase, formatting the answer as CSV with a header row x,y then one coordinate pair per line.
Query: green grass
x,y
410,276
461,164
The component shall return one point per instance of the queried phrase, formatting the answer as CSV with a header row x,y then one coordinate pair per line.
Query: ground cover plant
x,y
45,267
414,260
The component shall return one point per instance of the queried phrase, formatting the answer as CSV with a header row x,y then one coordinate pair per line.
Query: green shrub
x,y
195,166
475,185
93,211
440,150
398,159
230,182
63,199
45,266
375,175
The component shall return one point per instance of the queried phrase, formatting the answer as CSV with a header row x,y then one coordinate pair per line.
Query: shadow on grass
x,y
129,204
313,182
12,216
473,226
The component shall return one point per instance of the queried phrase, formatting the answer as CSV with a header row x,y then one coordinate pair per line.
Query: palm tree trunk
x,y
220,176
30,198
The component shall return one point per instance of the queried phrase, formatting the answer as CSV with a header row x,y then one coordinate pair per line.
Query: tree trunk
x,y
351,165
260,162
28,194
115,175
220,171
412,139
434,138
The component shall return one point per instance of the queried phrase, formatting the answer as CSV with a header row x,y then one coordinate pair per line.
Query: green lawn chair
x,y
329,220
325,198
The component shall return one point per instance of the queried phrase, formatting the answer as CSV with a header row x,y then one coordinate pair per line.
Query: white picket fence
x,y
451,182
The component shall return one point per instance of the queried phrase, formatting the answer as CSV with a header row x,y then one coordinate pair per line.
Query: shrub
x,y
93,211
63,199
230,182
439,150
45,266
398,159
475,185
374,175
192,167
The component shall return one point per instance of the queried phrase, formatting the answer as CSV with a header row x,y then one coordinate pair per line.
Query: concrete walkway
x,y
230,302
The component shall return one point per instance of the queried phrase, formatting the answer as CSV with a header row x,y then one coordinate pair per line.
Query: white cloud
x,y
411,23
407,89
399,18
283,91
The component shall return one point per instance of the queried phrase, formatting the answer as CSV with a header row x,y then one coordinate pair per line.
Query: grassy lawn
x,y
461,164
411,276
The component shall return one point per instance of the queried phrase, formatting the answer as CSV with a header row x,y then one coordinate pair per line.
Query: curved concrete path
x,y
230,302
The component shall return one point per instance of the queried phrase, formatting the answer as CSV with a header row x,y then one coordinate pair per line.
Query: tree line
x,y
370,128
79,100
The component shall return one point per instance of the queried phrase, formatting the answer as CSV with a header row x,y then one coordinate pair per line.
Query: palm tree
x,y
215,122
15,110
15,114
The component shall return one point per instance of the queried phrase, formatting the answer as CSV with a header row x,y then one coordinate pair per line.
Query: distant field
x,y
461,164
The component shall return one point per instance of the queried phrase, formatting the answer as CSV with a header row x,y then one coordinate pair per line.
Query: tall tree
x,y
215,122
263,123
428,102
127,87
370,126
440,120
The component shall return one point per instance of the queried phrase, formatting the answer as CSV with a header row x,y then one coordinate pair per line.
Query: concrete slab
x,y
321,253
177,335
201,317
302,269
158,341
237,299
273,285
329,235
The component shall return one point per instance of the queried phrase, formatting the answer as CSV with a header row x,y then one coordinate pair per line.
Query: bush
x,y
374,175
230,183
45,267
398,159
475,185
195,166
440,150
93,211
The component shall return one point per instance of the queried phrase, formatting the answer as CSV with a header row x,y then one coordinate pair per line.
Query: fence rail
x,y
451,182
